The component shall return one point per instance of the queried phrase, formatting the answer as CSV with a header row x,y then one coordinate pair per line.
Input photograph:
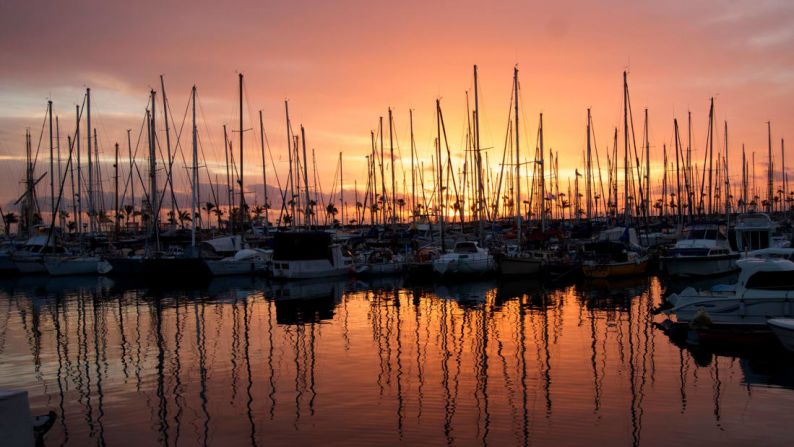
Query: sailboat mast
x,y
627,208
243,207
78,193
413,169
770,188
52,159
90,164
481,224
393,185
289,154
518,157
194,192
307,220
588,171
542,179
116,193
440,192
341,191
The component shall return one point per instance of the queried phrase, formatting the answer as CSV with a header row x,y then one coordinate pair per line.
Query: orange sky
x,y
341,64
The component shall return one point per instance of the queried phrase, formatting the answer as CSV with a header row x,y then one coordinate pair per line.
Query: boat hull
x,y
731,310
308,269
229,268
464,266
72,266
691,266
615,270
519,266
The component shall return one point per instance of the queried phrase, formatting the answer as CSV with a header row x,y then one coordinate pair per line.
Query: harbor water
x,y
251,362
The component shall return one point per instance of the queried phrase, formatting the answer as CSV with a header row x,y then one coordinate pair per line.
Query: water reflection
x,y
246,361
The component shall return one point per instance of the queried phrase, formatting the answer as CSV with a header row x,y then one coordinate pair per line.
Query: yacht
x,y
755,231
30,258
380,262
517,262
704,252
765,289
308,254
466,258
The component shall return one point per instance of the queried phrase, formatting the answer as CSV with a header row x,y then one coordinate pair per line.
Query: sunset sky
x,y
342,63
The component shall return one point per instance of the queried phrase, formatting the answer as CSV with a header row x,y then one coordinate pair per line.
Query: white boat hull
x,y
319,268
726,308
72,266
444,266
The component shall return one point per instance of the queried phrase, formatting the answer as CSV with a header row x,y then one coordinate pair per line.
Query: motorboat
x,y
308,254
466,258
30,258
765,289
704,252
755,231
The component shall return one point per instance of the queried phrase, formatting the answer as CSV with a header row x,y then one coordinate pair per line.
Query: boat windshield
x,y
783,280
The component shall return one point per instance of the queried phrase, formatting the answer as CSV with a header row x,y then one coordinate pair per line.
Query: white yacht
x,y
755,231
466,258
765,289
704,252
380,262
308,254
30,258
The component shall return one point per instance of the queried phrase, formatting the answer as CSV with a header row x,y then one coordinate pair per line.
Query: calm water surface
x,y
367,363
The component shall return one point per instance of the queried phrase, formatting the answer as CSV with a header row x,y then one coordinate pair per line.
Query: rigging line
x,y
130,178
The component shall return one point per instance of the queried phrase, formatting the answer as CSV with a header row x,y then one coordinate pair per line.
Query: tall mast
x,y
770,188
481,225
90,165
627,208
440,197
727,180
518,157
306,178
383,196
711,155
677,170
194,192
413,151
542,179
243,212
228,175
153,192
116,194
689,172
393,185
784,177
341,191
52,160
264,168
744,181
61,174
588,170
78,192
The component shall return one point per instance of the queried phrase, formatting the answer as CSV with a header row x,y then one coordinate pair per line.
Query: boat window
x,y
771,281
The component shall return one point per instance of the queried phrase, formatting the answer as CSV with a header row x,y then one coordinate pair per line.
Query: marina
x,y
414,223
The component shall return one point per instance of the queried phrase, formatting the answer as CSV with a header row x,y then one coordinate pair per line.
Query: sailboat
x,y
519,262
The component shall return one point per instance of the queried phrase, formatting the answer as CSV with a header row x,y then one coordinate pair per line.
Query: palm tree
x,y
208,207
183,217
